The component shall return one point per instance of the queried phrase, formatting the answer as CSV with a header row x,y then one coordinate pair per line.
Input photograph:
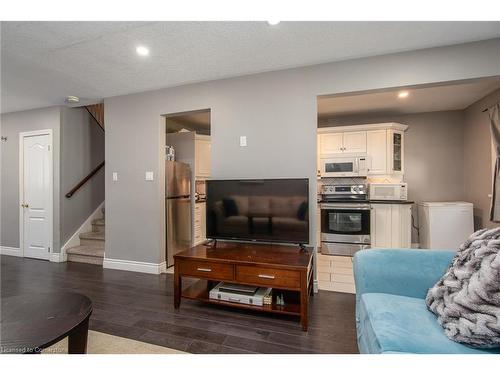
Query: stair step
x,y
99,236
86,254
94,251
100,222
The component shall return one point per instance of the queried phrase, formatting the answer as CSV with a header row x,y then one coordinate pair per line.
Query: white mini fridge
x,y
444,225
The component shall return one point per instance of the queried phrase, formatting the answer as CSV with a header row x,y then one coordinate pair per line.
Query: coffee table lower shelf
x,y
200,291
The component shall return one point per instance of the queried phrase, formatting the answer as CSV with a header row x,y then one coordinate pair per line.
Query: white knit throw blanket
x,y
467,298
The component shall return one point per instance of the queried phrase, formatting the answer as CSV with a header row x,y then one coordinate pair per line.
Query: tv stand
x,y
286,269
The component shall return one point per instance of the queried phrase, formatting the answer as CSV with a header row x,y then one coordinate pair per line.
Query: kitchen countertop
x,y
369,201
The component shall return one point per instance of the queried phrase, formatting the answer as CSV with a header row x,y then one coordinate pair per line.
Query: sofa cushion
x,y
390,323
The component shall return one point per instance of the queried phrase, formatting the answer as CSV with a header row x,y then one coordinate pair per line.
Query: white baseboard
x,y
58,257
134,266
12,251
85,227
316,286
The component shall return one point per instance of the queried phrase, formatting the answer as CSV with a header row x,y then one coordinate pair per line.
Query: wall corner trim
x,y
134,266
12,251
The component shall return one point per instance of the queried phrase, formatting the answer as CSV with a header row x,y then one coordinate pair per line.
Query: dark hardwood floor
x,y
140,307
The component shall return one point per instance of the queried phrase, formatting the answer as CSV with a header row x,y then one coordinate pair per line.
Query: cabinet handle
x,y
204,269
262,276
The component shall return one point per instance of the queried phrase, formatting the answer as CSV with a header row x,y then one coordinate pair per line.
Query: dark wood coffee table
x,y
32,322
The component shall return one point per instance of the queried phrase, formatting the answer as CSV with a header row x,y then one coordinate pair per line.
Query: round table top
x,y
35,321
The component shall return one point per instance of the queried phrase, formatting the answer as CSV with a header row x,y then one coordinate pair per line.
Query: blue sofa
x,y
391,314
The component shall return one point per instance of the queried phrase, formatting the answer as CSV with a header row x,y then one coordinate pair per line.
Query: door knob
x,y
24,205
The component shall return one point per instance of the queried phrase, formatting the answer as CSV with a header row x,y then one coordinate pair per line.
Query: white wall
x,y
276,111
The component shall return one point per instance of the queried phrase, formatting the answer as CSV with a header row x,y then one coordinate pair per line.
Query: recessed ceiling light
x,y
142,51
403,94
273,22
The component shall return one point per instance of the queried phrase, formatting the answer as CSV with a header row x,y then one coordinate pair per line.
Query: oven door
x,y
347,223
339,167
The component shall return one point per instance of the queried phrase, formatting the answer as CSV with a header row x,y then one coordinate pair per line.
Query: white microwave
x,y
388,191
344,166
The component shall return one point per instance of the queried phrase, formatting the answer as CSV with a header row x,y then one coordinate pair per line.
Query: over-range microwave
x,y
352,166
388,191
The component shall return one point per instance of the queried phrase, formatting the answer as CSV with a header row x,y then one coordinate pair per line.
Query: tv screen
x,y
270,210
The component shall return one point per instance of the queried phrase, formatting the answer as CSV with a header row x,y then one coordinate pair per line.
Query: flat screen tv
x,y
270,210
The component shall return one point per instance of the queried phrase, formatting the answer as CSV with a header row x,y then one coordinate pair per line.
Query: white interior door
x,y
36,195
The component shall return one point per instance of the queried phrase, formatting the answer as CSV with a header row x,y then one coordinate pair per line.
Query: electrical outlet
x,y
115,176
149,176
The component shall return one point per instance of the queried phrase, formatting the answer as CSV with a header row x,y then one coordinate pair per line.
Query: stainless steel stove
x,y
345,219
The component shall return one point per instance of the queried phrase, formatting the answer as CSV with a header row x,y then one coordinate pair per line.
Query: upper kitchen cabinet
x,y
376,147
203,156
383,145
331,144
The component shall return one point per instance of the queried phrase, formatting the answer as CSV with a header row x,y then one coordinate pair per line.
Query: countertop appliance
x,y
177,208
345,222
444,225
397,191
352,166
267,210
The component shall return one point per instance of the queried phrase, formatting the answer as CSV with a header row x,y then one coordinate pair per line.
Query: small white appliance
x,y
239,294
444,225
351,166
388,191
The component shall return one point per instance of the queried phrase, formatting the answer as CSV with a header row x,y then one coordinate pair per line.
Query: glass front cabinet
x,y
396,151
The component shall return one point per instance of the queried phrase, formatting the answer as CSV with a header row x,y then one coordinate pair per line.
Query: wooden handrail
x,y
84,180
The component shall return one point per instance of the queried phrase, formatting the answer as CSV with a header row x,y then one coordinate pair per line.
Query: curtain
x,y
494,113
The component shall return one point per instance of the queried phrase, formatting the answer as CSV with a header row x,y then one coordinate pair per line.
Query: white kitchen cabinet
x,y
390,225
376,149
382,143
200,234
335,144
203,156
331,144
354,142
395,140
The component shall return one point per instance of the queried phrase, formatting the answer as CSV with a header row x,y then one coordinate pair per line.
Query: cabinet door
x,y
401,226
330,144
354,142
396,151
380,225
203,157
376,149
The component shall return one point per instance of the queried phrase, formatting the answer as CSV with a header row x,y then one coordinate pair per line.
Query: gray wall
x,y
276,111
434,148
477,159
11,125
82,149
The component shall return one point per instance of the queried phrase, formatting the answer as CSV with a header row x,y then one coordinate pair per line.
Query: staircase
x,y
91,249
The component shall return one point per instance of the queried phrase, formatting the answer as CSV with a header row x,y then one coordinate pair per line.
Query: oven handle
x,y
336,207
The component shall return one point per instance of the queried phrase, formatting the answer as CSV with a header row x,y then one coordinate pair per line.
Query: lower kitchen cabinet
x,y
335,273
390,225
200,223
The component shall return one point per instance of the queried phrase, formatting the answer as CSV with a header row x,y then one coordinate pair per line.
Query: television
x,y
269,210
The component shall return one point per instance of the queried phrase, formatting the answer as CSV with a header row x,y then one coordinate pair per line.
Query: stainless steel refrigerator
x,y
177,208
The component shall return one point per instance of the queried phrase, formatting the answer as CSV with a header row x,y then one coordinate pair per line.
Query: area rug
x,y
102,343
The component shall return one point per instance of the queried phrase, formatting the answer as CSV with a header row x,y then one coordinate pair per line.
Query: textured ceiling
x,y
43,62
426,99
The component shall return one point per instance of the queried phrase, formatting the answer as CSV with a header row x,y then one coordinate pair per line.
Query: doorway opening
x,y
188,154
